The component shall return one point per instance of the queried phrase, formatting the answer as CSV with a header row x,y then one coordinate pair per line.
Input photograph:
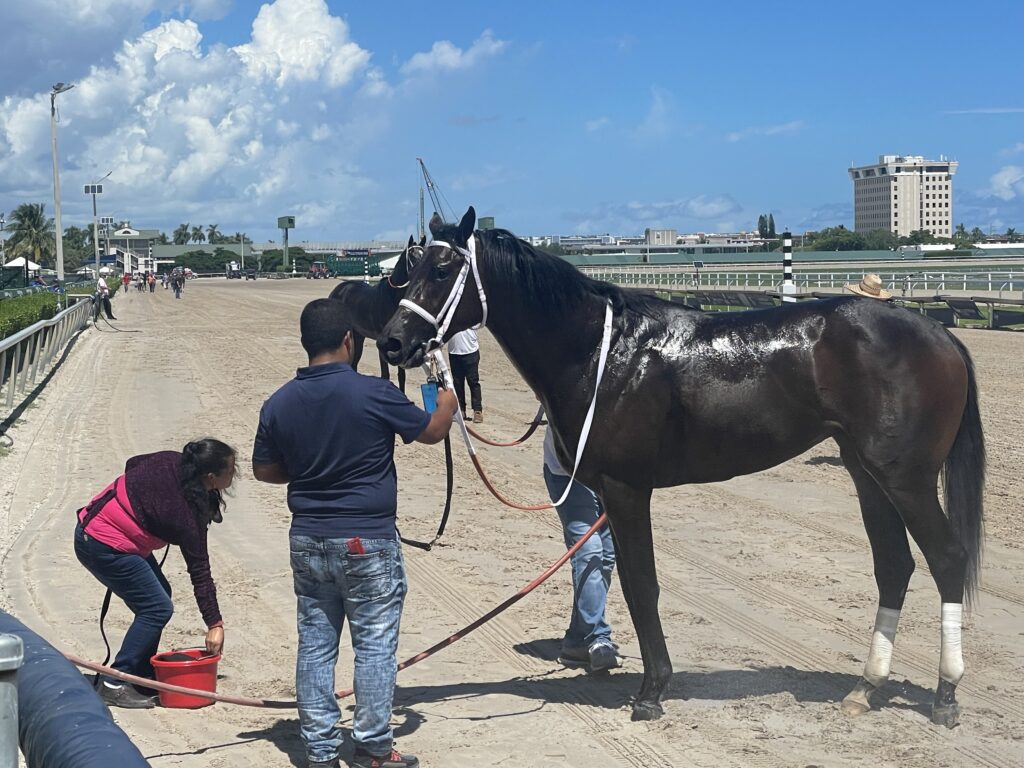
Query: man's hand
x,y
215,640
447,401
440,419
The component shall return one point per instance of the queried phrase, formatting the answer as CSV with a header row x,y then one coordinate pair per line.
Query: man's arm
x,y
270,473
440,419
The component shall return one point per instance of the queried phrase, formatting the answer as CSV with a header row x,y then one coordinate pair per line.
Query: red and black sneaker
x,y
393,760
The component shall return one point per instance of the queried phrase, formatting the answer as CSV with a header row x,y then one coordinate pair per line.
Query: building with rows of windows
x,y
901,194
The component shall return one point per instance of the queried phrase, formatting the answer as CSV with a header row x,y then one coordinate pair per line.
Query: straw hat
x,y
870,286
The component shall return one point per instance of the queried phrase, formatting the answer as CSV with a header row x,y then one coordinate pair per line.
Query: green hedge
x,y
23,311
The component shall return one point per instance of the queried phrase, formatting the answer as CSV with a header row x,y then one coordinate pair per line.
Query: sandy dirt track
x,y
767,595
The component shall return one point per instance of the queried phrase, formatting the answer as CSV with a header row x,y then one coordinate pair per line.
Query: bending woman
x,y
162,498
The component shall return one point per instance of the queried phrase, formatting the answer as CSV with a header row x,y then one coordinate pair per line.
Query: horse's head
x,y
399,277
443,287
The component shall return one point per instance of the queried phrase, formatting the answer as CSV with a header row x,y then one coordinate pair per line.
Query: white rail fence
x,y
30,352
672,277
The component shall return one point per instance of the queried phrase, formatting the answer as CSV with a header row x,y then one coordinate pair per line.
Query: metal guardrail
x,y
32,350
907,283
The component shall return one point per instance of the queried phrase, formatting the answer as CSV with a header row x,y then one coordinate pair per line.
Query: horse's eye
x,y
441,272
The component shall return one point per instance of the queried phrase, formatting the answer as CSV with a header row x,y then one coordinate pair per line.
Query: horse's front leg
x,y
629,511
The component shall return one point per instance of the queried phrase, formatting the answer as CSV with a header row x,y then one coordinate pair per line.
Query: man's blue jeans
x,y
141,584
592,565
333,583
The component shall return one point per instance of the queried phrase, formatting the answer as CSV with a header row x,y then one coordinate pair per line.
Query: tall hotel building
x,y
902,194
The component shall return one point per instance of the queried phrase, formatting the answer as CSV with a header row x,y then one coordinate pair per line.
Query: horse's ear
x,y
467,225
411,243
423,241
436,222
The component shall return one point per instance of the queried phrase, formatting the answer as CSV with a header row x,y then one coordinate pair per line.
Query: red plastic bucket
x,y
199,672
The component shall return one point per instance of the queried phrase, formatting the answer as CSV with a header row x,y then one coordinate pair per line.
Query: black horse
x,y
689,397
369,307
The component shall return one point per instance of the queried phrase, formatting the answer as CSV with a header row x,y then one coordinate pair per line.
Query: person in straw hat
x,y
870,286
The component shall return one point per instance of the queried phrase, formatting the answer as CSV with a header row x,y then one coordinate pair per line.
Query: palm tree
x,y
197,235
1011,234
213,235
181,234
33,232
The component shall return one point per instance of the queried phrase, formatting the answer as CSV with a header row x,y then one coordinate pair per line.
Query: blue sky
x,y
554,117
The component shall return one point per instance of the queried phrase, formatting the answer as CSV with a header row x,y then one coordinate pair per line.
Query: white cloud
x,y
1007,183
1016,149
299,40
657,124
701,212
793,126
596,124
445,56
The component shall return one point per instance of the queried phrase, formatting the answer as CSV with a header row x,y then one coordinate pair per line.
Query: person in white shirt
x,y
103,297
588,640
464,355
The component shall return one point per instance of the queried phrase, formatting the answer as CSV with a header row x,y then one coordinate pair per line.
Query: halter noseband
x,y
451,304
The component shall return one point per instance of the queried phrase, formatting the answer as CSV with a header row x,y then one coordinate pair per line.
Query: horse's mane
x,y
555,284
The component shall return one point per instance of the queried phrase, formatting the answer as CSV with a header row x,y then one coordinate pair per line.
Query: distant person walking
x,y
152,282
178,281
103,297
126,280
464,354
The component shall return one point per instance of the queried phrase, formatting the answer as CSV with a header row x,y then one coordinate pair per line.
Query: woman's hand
x,y
214,639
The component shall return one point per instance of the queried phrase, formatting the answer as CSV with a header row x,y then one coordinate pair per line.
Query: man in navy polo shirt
x,y
329,433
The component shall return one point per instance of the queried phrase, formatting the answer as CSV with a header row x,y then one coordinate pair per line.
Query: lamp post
x,y
3,239
96,189
58,88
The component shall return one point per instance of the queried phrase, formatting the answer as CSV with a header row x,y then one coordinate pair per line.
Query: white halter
x,y
447,311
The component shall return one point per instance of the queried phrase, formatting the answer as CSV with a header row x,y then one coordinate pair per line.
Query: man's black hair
x,y
323,326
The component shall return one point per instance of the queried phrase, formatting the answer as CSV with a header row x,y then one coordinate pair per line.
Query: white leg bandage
x,y
876,670
951,660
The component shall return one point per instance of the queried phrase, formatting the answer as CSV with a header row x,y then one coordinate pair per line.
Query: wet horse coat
x,y
693,398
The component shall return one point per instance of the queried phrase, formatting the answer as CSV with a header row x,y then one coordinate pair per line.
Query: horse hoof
x,y
854,705
647,710
948,715
858,701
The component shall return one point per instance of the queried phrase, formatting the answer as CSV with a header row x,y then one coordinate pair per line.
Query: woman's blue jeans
x,y
592,565
334,583
141,584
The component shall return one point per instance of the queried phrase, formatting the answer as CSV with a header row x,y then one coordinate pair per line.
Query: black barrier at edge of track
x,y
61,720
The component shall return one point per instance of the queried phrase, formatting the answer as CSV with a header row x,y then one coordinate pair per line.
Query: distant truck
x,y
233,271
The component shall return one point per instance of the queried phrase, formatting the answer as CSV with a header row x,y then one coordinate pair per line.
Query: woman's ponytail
x,y
200,458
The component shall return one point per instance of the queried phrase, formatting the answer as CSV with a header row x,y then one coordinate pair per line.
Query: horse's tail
x,y
963,480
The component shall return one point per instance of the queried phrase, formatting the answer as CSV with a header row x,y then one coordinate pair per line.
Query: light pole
x,y
58,88
96,189
3,239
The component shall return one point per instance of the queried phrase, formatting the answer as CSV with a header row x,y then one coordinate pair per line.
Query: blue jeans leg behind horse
x,y
592,565
140,583
332,584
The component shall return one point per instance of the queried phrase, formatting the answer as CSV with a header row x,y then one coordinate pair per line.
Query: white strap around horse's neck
x,y
606,338
444,316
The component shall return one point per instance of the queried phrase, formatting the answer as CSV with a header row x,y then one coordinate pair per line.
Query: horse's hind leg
x,y
629,510
894,566
947,559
